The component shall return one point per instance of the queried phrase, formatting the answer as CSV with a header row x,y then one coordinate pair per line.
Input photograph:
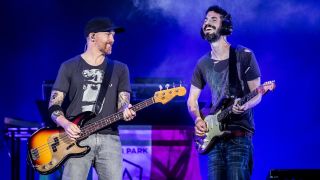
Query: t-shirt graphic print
x,y
91,87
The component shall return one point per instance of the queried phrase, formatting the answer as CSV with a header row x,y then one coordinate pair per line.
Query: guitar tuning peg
x,y
167,86
180,83
173,85
160,87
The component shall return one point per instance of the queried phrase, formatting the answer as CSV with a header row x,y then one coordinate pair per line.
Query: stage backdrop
x,y
162,40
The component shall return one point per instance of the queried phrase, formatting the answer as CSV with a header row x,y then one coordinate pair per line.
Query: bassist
x,y
228,71
80,80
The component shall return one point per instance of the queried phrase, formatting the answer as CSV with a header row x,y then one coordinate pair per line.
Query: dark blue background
x,y
162,40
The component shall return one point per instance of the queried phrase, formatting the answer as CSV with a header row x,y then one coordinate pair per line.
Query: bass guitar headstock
x,y
164,96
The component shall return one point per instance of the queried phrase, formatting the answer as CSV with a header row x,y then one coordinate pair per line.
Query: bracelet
x,y
57,113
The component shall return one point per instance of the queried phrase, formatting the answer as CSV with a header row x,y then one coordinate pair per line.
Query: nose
x,y
111,38
206,22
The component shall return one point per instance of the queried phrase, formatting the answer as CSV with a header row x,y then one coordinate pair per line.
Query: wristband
x,y
54,108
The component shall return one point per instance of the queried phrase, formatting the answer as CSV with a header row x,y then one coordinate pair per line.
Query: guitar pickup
x,y
54,148
34,154
56,141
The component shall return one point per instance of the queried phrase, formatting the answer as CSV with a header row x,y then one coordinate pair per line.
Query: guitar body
x,y
204,143
49,148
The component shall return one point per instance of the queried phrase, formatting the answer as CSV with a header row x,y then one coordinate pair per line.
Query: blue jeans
x,y
105,153
231,158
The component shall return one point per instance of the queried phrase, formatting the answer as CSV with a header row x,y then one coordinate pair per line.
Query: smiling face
x,y
211,26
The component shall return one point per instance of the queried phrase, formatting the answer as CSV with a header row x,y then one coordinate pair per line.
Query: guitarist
x,y
79,80
228,71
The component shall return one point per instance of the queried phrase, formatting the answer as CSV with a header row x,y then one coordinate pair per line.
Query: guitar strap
x,y
234,81
104,85
235,89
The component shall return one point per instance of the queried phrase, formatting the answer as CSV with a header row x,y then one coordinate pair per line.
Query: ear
x,y
92,36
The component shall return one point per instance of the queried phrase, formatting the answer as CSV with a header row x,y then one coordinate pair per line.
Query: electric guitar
x,y
49,148
214,122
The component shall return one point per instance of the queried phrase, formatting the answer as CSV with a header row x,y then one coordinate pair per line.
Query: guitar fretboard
x,y
93,127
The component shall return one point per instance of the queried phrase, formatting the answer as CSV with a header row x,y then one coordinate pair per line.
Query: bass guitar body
x,y
51,147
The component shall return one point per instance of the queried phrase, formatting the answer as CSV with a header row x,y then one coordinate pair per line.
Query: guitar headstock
x,y
267,86
164,96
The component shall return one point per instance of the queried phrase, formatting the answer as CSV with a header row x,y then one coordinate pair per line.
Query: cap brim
x,y
115,29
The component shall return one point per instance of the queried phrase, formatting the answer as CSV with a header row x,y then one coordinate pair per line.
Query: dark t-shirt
x,y
216,75
81,82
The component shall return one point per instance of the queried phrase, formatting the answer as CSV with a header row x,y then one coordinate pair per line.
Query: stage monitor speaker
x,y
294,174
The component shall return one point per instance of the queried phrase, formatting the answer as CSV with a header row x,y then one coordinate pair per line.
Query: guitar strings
x,y
119,115
45,147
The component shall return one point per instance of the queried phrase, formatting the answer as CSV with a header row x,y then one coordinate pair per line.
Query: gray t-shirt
x,y
216,75
81,82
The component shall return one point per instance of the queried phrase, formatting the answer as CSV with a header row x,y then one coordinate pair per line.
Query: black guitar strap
x,y
104,85
234,81
235,89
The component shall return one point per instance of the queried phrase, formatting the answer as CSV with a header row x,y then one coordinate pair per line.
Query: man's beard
x,y
107,49
212,37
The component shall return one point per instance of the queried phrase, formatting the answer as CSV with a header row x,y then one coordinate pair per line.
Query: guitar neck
x,y
94,127
226,112
248,97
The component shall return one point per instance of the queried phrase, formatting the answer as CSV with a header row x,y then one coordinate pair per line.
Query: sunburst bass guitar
x,y
49,148
214,125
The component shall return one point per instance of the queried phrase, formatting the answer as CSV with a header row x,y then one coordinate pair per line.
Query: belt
x,y
239,133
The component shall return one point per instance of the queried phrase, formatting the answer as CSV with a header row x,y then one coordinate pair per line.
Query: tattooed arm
x,y
58,117
124,105
56,99
123,100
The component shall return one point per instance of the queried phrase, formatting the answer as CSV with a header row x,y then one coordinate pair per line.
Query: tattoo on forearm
x,y
123,100
56,98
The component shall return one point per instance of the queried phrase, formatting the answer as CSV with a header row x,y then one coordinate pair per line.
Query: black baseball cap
x,y
101,24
